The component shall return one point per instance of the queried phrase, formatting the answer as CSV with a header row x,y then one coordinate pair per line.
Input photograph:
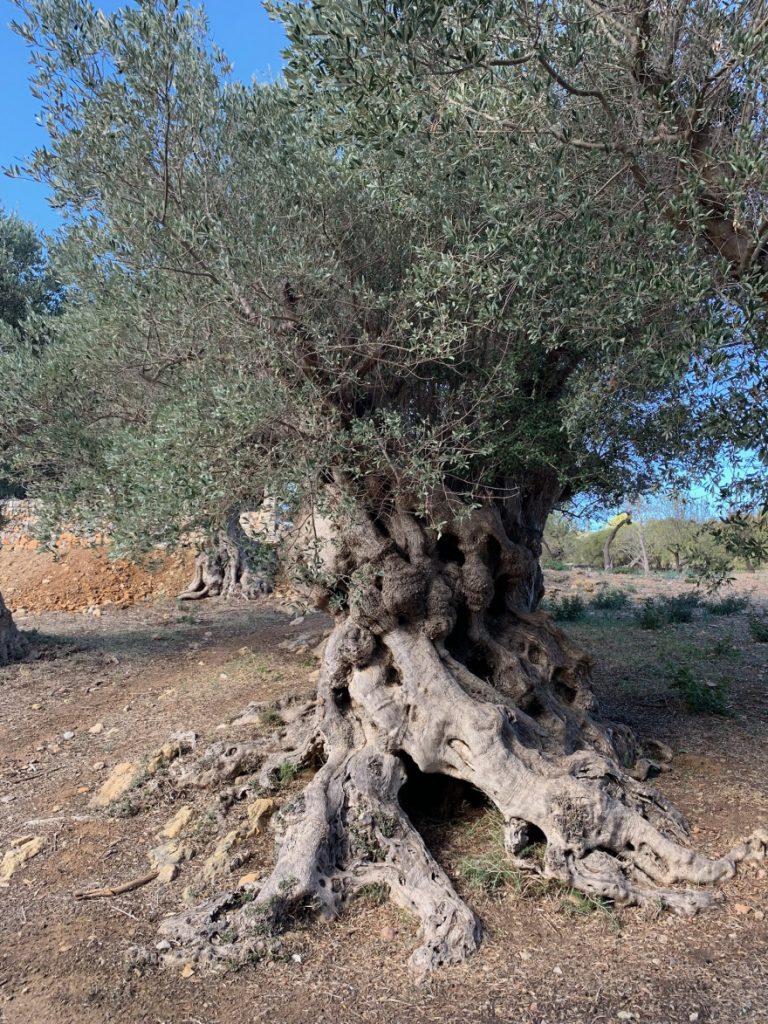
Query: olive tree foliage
x,y
465,304
661,105
29,291
434,326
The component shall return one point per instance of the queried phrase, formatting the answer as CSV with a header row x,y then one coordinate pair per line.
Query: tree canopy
x,y
481,249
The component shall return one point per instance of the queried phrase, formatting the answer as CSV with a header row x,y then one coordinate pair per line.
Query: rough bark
x,y
12,642
224,567
439,664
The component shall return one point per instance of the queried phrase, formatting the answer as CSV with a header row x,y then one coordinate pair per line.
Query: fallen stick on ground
x,y
117,890
59,818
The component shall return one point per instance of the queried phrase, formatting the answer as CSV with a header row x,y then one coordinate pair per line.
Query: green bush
x,y
724,645
650,616
758,629
701,696
554,563
567,609
288,771
730,605
609,599
680,608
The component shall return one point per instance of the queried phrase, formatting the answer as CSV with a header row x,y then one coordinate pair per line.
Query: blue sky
x,y
251,40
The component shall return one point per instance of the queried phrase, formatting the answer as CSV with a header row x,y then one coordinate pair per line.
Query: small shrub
x,y
271,716
701,696
724,646
730,605
488,873
568,608
581,904
556,564
681,607
758,629
288,772
650,616
609,599
374,894
625,570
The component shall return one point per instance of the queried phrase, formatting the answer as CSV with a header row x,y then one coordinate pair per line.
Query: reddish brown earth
x,y
77,578
145,671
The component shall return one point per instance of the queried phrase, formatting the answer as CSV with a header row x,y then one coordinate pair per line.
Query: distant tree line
x,y
681,543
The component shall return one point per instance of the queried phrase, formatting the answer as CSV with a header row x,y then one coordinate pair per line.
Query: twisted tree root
x,y
606,833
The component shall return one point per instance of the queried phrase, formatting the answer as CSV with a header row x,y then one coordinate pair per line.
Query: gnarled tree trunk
x,y
12,642
232,565
440,663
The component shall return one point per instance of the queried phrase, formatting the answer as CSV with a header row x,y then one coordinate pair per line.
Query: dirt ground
x,y
75,578
141,673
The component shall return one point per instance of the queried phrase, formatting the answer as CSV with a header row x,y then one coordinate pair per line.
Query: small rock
x,y
163,946
98,766
219,861
54,748
625,1015
83,789
693,1017
36,707
249,879
258,812
741,908
69,735
121,779
177,745
759,915
296,957
97,729
167,873
387,934
223,675
22,850
174,826
169,853
557,970
187,971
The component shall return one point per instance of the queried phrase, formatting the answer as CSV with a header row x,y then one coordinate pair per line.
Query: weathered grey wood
x,y
12,642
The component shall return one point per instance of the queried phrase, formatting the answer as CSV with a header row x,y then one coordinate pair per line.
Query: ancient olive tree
x,y
433,320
